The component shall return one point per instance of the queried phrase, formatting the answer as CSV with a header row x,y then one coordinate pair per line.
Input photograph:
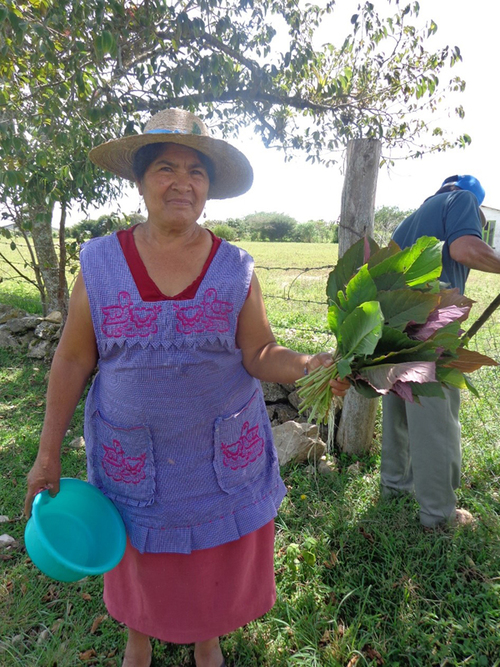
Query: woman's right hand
x,y
45,474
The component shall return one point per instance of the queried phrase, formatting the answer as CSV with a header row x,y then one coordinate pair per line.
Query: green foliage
x,y
224,232
271,226
335,234
105,224
316,231
232,228
75,74
221,57
261,226
387,218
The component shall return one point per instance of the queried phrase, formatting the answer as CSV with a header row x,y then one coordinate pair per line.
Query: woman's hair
x,y
147,154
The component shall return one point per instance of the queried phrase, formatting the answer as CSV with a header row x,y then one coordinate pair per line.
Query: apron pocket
x,y
240,452
123,462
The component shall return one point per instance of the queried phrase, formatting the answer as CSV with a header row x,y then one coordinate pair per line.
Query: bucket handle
x,y
42,498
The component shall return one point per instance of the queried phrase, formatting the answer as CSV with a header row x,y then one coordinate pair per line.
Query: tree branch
x,y
19,273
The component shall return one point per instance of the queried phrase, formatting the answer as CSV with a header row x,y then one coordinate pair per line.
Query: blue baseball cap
x,y
467,182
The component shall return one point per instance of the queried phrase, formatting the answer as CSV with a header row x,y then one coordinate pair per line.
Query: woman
x,y
176,429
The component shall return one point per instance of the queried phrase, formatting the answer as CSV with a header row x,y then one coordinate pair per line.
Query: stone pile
x,y
37,336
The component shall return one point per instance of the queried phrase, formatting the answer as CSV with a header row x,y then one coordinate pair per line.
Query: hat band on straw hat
x,y
160,131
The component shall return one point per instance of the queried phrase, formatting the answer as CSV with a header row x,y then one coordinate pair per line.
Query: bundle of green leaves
x,y
397,327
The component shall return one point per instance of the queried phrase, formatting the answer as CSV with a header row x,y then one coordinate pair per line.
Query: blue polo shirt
x,y
447,216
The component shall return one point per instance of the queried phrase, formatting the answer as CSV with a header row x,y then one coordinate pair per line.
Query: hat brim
x,y
233,172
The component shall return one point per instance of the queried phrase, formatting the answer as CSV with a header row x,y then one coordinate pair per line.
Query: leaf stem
x,y
315,392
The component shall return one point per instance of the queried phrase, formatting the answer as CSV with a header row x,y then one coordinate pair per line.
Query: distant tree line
x,y
275,227
104,225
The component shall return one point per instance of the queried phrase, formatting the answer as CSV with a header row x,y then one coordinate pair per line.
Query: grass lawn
x,y
358,582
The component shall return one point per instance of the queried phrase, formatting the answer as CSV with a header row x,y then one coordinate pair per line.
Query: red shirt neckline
x,y
148,289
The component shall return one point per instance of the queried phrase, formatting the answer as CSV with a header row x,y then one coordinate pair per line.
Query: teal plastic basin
x,y
76,534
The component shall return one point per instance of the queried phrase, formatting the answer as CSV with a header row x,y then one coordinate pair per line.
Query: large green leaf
x,y
451,376
350,262
424,261
403,306
361,330
419,263
360,288
335,318
424,353
396,347
383,253
389,281
393,340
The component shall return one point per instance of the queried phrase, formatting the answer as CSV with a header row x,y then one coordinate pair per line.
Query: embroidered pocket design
x,y
245,450
121,468
211,315
123,464
125,319
241,451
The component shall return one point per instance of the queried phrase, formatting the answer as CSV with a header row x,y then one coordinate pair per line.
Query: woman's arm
x,y
263,358
73,363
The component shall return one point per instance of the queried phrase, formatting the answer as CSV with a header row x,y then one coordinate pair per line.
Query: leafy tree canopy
x,y
95,64
74,73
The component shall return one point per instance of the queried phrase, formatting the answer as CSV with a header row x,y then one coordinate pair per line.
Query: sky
x,y
313,192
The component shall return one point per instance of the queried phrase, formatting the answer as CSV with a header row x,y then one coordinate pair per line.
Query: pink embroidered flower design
x,y
125,319
121,468
245,450
209,315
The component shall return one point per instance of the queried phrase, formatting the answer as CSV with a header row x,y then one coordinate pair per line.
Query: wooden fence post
x,y
357,421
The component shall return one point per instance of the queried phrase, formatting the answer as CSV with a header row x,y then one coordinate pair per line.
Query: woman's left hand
x,y
339,387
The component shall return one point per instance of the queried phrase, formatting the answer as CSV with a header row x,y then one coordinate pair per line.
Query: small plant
x,y
299,556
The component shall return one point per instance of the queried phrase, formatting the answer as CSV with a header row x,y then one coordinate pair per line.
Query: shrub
x,y
387,218
224,232
105,224
271,226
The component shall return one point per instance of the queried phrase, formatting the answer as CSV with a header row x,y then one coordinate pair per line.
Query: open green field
x,y
359,583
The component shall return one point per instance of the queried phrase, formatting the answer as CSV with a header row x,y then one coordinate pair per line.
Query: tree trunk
x,y
48,263
357,421
62,292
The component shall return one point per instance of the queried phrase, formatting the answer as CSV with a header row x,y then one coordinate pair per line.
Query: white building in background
x,y
491,233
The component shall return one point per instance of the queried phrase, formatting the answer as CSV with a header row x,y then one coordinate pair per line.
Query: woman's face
x,y
175,186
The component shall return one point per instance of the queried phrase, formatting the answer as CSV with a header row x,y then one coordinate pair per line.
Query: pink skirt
x,y
187,598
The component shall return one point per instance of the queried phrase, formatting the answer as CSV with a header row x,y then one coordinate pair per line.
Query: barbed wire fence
x,y
296,304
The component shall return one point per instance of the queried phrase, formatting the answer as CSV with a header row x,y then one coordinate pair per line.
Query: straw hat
x,y
233,172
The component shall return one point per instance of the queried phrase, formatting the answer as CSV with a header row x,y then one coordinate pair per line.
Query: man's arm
x,y
475,254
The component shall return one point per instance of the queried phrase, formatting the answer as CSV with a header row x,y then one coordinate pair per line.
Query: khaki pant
x,y
421,453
